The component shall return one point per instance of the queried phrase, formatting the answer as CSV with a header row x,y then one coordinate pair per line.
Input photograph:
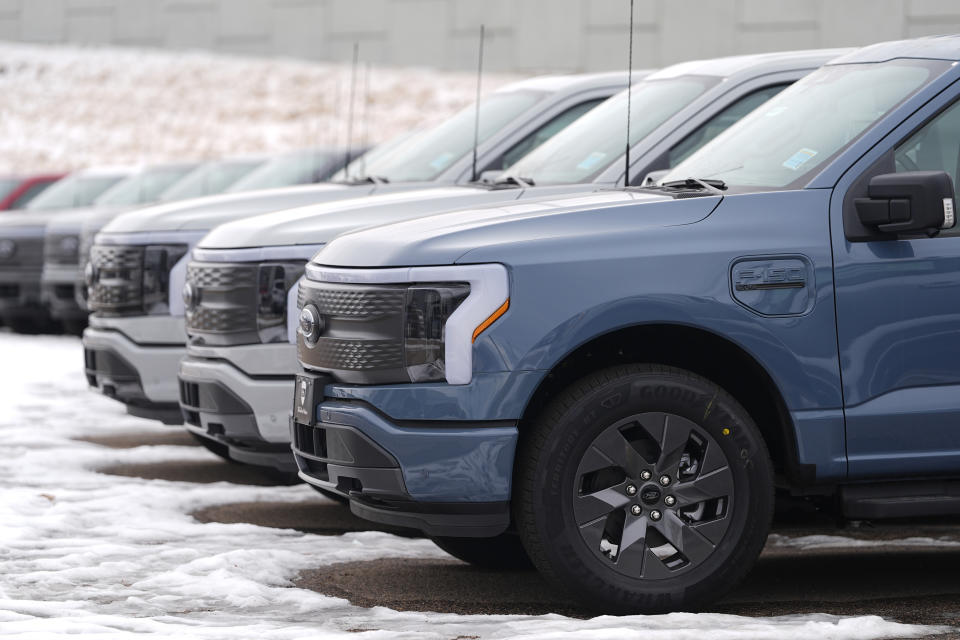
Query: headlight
x,y
274,282
158,260
425,318
8,249
388,326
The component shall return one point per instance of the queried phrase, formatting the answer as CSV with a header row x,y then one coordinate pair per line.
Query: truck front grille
x,y
22,251
61,248
221,303
116,288
362,340
83,259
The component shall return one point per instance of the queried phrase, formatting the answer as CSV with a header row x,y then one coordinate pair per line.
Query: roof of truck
x,y
756,64
574,82
946,47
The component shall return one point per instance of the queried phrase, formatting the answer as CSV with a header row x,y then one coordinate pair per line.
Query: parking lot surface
x,y
115,526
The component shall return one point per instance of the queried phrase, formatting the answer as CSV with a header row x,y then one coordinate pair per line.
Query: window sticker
x,y
592,160
798,159
441,161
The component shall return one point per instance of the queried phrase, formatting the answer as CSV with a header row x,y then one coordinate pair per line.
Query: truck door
x,y
898,317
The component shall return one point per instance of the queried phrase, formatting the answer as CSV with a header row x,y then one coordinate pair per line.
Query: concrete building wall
x,y
524,35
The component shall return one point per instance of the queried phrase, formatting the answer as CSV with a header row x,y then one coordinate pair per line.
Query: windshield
x,y
784,141
8,186
587,147
78,190
145,186
426,155
290,169
210,178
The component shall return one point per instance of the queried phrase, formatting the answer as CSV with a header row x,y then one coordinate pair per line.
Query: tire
x,y
74,326
503,552
32,325
582,490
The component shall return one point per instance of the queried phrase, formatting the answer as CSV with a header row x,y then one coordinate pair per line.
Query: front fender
x,y
681,275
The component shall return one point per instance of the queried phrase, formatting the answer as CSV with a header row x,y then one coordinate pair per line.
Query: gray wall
x,y
525,35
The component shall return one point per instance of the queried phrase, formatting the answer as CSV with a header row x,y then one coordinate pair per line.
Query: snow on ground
x,y
107,557
68,107
844,542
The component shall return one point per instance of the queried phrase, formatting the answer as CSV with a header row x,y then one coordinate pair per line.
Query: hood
x,y
203,214
198,214
319,224
478,235
77,219
21,219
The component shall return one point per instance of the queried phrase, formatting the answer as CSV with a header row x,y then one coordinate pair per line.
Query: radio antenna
x,y
476,119
334,130
353,91
626,155
365,120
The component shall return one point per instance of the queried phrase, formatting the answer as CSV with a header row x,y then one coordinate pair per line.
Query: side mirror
x,y
908,203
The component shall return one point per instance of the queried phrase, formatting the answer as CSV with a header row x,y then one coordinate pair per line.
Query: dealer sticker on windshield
x,y
592,160
441,161
799,159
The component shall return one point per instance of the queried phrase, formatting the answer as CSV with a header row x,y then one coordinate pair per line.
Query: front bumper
x,y
442,478
143,377
249,415
59,291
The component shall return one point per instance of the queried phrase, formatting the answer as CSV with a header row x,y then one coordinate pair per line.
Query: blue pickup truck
x,y
614,385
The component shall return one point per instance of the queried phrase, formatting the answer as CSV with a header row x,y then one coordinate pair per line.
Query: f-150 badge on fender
x,y
776,286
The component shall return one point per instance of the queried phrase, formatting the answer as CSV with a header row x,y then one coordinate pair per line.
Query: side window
x,y
719,123
543,133
935,147
29,194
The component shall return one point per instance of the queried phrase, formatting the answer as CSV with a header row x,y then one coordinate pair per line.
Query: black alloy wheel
x,y
642,489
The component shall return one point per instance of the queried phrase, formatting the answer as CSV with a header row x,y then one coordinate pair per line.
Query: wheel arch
x,y
697,350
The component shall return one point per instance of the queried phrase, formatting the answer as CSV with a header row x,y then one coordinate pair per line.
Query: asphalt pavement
x,y
893,579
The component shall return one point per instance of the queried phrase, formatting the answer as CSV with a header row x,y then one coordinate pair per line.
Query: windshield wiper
x,y
710,184
514,181
368,180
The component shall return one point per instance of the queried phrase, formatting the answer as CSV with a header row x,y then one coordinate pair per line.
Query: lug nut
x,y
655,515
636,510
669,501
665,480
645,475
631,490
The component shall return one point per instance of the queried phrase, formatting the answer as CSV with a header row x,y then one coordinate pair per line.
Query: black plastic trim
x,y
426,424
905,499
461,520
